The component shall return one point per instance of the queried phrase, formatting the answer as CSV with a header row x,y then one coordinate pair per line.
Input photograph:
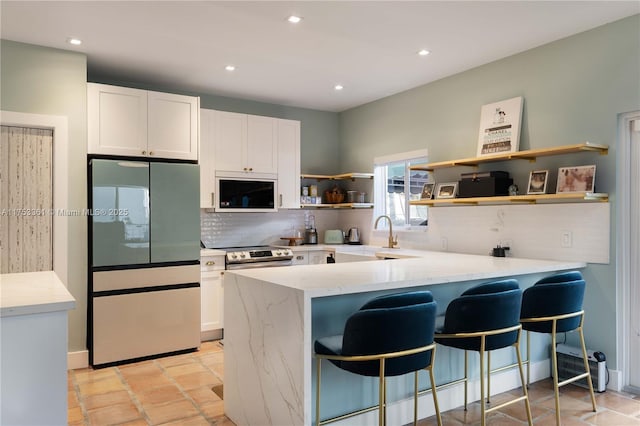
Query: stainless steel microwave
x,y
235,194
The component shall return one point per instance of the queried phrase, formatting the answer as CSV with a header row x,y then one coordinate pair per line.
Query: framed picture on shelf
x,y
427,191
538,182
500,127
447,190
576,179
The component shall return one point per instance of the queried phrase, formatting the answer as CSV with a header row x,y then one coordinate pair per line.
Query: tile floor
x,y
179,390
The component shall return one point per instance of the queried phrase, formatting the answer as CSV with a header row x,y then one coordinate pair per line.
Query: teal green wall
x,y
573,91
319,130
41,80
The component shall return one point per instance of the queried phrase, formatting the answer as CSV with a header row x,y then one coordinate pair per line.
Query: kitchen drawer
x,y
211,263
300,258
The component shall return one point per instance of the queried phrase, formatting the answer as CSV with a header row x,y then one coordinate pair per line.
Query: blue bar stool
x,y
390,335
484,318
554,305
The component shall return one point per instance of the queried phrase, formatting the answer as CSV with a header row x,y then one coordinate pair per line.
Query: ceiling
x,y
369,47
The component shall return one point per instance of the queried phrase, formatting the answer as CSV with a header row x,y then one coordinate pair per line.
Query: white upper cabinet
x,y
207,159
262,145
173,126
245,143
235,144
139,123
289,164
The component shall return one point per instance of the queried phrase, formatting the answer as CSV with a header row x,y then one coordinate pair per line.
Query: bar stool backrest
x,y
391,324
555,295
485,307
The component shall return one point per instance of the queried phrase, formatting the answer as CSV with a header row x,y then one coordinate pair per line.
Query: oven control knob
x,y
234,256
278,253
242,255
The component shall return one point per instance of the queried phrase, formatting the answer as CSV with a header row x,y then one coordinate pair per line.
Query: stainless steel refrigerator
x,y
144,273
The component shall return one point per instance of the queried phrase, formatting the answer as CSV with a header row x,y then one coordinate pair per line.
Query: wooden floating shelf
x,y
342,176
516,199
340,206
530,155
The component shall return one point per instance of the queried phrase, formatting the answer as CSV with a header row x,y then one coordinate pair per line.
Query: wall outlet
x,y
566,239
444,243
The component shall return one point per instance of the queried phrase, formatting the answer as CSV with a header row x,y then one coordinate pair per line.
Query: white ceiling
x,y
367,46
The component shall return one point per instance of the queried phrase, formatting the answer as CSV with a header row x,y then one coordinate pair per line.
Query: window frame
x,y
381,165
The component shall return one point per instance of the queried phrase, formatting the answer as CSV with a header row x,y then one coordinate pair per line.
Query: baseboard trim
x,y
208,335
615,380
77,359
401,412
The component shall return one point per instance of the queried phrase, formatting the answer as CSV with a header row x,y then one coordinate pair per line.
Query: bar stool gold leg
x,y
586,367
466,377
488,377
528,359
415,398
318,360
524,387
433,391
482,404
382,390
554,361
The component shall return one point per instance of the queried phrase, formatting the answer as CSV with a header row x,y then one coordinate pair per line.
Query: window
x,y
396,185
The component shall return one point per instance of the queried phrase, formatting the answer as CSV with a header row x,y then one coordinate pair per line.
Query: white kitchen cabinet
x,y
212,297
140,123
318,257
288,164
245,143
300,258
207,159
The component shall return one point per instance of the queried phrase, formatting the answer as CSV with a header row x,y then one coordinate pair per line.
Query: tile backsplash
x,y
219,230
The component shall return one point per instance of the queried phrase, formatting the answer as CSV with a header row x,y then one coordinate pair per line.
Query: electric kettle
x,y
353,236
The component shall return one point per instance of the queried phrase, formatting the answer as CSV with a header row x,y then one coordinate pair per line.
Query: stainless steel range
x,y
257,257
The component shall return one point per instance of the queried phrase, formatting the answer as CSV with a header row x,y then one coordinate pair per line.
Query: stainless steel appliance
x,y
353,236
235,194
257,257
144,272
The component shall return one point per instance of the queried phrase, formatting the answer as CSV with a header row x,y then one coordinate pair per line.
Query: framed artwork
x,y
447,190
427,191
576,179
500,127
538,182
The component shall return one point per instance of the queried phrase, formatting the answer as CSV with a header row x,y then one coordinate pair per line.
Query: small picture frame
x,y
538,182
576,179
447,190
427,191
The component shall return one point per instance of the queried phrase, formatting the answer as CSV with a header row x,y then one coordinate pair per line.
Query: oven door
x,y
245,195
269,264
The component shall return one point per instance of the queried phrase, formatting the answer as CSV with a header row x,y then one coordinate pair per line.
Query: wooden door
x,y
26,200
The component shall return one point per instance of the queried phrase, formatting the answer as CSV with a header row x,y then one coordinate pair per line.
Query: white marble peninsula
x,y
33,362
273,316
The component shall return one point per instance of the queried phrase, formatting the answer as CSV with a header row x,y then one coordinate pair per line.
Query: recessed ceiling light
x,y
74,41
423,52
338,87
294,19
230,67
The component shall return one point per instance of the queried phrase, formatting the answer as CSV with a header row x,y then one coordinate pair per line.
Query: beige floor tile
x,y
91,402
203,395
74,415
159,395
213,410
91,387
191,421
72,399
144,368
550,420
196,380
176,360
145,383
218,370
518,411
89,374
137,422
163,413
113,414
609,418
617,402
181,370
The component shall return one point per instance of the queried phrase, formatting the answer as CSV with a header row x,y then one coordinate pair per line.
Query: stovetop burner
x,y
257,254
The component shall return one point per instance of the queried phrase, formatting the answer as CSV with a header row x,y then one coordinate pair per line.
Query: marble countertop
x,y
427,267
212,252
33,293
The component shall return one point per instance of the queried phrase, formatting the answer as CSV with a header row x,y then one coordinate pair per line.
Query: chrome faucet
x,y
392,242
